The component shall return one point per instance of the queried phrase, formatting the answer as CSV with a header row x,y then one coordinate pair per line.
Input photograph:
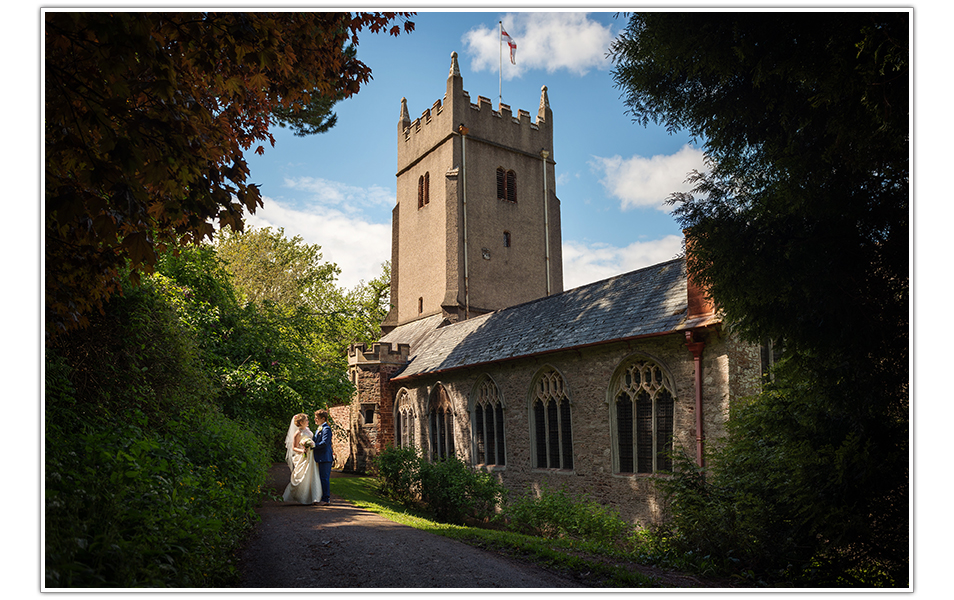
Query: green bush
x,y
452,491
146,483
399,473
261,403
447,488
556,513
791,497
132,506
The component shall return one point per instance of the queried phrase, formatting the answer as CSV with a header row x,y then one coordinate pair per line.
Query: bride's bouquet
x,y
307,444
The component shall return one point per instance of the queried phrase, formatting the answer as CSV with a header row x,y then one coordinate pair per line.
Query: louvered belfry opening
x,y
506,185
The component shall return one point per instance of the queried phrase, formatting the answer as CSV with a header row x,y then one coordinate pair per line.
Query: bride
x,y
304,486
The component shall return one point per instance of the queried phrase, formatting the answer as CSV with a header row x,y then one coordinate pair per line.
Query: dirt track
x,y
342,546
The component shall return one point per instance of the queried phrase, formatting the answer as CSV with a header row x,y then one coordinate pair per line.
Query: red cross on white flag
x,y
513,45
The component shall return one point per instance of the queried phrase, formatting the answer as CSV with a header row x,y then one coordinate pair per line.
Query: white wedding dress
x,y
304,486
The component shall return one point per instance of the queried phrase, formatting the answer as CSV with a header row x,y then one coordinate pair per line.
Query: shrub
x,y
131,506
448,489
559,514
452,491
146,483
398,472
260,403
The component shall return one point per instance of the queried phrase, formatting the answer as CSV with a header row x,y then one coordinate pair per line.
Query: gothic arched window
x,y
643,404
404,421
506,185
423,190
441,417
550,431
487,416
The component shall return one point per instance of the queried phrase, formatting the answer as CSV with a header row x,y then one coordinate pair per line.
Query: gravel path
x,y
342,546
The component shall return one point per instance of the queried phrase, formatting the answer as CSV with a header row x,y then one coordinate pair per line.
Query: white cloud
x,y
545,40
583,263
348,197
355,244
639,181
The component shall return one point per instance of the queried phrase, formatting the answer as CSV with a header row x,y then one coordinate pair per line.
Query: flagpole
x,y
500,64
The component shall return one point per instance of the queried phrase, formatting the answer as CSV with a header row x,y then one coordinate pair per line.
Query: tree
x,y
799,229
267,266
147,118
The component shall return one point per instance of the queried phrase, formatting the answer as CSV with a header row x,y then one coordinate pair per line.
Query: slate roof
x,y
646,302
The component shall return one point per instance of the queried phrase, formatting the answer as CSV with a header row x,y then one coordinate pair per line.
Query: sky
x,y
337,189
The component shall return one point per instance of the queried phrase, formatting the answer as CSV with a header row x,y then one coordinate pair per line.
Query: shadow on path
x,y
342,546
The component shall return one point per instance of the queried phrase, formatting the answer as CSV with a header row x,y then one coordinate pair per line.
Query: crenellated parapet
x,y
378,353
443,119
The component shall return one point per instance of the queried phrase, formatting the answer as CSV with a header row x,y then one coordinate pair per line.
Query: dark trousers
x,y
324,476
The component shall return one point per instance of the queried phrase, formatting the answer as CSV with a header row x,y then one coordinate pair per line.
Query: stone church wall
x,y
588,374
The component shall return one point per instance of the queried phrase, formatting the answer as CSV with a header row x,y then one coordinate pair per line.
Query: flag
x,y
513,45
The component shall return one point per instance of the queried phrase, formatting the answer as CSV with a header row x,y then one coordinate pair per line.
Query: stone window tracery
x,y
441,418
404,421
487,416
643,405
550,424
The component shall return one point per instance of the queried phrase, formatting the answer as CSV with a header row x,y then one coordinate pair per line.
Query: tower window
x,y
420,305
423,190
506,185
506,239
367,411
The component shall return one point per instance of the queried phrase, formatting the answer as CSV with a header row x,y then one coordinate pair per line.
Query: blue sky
x,y
337,189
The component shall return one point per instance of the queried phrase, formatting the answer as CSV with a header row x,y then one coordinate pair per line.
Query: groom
x,y
324,455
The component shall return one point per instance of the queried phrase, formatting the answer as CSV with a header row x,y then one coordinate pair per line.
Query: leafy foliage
x,y
263,356
147,117
557,513
447,488
800,232
287,277
398,472
267,266
174,400
146,484
801,228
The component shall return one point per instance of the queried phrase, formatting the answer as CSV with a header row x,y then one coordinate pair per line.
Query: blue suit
x,y
324,456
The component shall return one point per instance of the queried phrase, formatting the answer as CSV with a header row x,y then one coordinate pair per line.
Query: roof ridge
x,y
576,289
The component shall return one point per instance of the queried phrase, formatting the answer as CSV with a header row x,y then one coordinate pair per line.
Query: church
x,y
485,356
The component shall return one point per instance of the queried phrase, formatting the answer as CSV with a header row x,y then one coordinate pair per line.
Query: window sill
x,y
640,475
490,468
557,471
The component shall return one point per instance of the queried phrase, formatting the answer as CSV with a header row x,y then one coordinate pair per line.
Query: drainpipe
x,y
463,176
696,349
546,218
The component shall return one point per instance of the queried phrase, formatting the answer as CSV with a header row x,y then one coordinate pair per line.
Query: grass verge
x,y
591,564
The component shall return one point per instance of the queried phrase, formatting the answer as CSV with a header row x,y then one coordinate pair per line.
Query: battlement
x,y
425,119
445,117
484,116
380,352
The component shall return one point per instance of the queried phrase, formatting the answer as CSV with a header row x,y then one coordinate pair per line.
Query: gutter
x,y
540,353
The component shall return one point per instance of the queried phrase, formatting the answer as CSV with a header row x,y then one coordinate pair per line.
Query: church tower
x,y
476,227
